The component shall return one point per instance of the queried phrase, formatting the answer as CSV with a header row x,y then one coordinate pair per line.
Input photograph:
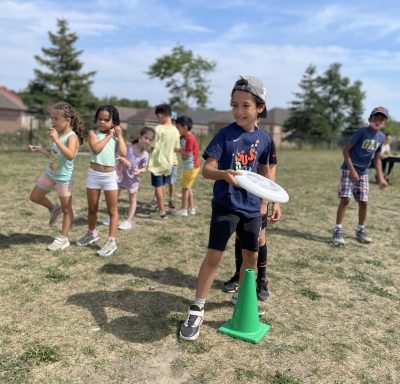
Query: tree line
x,y
327,105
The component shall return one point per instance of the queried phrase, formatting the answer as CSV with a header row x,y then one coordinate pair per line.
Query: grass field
x,y
72,317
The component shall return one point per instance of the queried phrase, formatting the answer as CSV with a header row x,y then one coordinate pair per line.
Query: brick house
x,y
13,112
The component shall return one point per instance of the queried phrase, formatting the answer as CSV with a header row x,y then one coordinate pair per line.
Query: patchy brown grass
x,y
72,317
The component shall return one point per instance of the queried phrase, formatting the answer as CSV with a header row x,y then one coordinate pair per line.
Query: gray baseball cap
x,y
252,85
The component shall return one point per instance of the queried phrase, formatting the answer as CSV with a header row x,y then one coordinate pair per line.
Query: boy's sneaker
x,y
153,203
59,244
106,220
190,329
362,236
181,212
125,225
262,290
260,308
338,238
232,284
109,247
191,211
171,204
54,214
163,215
87,239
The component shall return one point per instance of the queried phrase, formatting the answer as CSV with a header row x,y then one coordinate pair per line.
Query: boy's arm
x,y
269,171
210,171
379,174
347,159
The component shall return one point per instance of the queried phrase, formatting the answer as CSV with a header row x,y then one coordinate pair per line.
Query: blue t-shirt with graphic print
x,y
234,148
366,141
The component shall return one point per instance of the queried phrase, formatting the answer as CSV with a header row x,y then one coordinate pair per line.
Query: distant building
x,y
13,112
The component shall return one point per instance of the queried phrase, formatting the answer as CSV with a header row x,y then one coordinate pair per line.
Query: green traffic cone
x,y
245,323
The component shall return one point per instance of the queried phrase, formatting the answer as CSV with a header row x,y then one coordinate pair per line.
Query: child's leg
x,y
93,197
190,203
38,196
112,207
68,216
132,206
185,198
343,204
262,257
249,261
362,212
159,192
207,272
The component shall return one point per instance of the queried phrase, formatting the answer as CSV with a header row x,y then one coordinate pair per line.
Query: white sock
x,y
199,302
338,226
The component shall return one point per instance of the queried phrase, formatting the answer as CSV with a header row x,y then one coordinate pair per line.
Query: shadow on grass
x,y
167,276
151,315
301,235
6,241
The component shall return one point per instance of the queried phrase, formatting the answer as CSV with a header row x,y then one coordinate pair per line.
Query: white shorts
x,y
106,181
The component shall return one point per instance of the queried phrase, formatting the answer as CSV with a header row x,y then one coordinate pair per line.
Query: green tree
x,y
124,102
60,77
185,76
307,118
327,106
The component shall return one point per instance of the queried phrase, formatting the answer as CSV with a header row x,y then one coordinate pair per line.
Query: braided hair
x,y
68,111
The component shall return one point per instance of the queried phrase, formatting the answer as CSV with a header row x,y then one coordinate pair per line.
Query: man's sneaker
x,y
181,212
54,214
125,225
58,244
106,220
109,247
362,236
191,211
338,238
87,239
262,290
232,284
171,204
260,308
190,329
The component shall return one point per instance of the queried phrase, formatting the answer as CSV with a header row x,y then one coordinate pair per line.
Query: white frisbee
x,y
262,187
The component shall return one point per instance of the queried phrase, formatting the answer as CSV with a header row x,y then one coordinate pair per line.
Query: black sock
x,y
262,263
238,256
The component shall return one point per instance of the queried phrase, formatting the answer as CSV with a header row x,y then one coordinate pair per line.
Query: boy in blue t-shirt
x,y
239,146
364,146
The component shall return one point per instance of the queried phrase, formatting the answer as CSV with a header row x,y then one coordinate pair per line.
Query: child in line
x,y
191,165
163,156
239,146
364,145
105,144
232,284
130,167
66,133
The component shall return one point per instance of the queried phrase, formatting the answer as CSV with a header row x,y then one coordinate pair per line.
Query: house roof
x,y
201,115
145,114
126,112
277,116
9,100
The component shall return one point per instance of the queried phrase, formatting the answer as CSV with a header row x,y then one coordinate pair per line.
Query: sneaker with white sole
x,y
234,298
362,236
106,220
190,329
232,284
59,244
55,214
87,239
337,238
191,211
108,248
125,225
181,212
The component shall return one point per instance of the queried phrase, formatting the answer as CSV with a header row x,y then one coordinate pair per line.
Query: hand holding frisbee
x,y
262,187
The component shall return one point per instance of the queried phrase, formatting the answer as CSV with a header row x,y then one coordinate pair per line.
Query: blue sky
x,y
274,40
